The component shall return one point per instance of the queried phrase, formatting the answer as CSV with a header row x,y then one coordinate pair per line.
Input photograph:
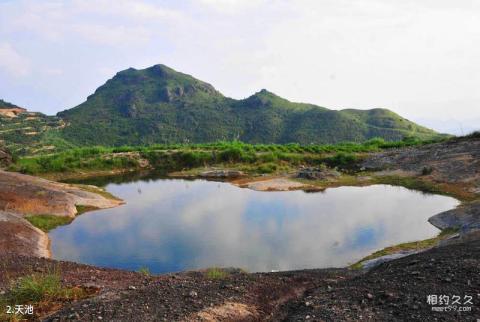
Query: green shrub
x,y
231,154
144,271
342,160
216,273
267,168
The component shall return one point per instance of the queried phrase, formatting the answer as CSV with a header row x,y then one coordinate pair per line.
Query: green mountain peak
x,y
159,105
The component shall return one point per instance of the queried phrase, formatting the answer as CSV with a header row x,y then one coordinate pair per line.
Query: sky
x,y
419,58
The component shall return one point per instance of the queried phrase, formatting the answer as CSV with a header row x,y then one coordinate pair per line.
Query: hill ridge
x,y
160,105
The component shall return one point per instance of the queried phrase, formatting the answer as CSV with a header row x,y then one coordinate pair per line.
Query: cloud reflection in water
x,y
172,225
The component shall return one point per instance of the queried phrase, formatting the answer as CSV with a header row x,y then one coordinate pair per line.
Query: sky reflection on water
x,y
172,225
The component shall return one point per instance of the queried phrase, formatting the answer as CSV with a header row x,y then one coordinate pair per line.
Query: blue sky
x,y
420,58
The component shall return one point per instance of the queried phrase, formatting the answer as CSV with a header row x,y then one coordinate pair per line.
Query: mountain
x,y
161,105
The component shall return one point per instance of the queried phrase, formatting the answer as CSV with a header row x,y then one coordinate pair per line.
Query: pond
x,y
170,225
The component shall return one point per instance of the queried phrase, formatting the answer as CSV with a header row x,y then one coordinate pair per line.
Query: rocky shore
x,y
22,195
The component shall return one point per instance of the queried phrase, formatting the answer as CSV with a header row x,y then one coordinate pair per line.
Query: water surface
x,y
172,225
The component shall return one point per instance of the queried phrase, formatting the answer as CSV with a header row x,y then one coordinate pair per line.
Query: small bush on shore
x,y
216,273
267,168
144,271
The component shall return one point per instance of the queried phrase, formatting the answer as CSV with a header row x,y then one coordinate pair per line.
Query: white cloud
x,y
415,57
232,5
12,62
112,35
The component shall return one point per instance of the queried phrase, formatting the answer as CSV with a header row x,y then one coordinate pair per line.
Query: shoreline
x,y
277,183
289,183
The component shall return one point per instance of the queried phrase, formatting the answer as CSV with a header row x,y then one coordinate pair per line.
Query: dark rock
x,y
5,157
222,174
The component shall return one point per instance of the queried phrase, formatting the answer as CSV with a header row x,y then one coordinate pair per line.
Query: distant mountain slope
x,y
160,105
10,110
7,105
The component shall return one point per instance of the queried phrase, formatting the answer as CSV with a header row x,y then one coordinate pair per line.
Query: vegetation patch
x,y
410,246
261,158
97,190
215,273
414,183
44,292
144,271
48,222
83,209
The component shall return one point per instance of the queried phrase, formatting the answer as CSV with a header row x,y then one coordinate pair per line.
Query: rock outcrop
x,y
466,218
453,161
222,174
20,237
24,195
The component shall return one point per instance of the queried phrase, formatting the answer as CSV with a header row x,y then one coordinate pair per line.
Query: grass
x,y
262,158
414,183
215,273
83,209
96,190
43,291
410,246
48,222
419,183
144,271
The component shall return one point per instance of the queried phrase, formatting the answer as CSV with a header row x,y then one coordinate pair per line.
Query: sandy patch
x,y
275,184
229,311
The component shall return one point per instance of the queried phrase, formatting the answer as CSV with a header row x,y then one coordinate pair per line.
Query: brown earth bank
x,y
393,291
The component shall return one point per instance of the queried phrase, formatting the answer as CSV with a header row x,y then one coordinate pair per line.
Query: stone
x,y
222,174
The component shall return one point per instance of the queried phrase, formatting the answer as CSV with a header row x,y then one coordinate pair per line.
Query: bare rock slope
x,y
34,196
454,161
19,236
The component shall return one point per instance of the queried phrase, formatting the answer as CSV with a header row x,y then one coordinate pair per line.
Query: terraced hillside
x,y
23,132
